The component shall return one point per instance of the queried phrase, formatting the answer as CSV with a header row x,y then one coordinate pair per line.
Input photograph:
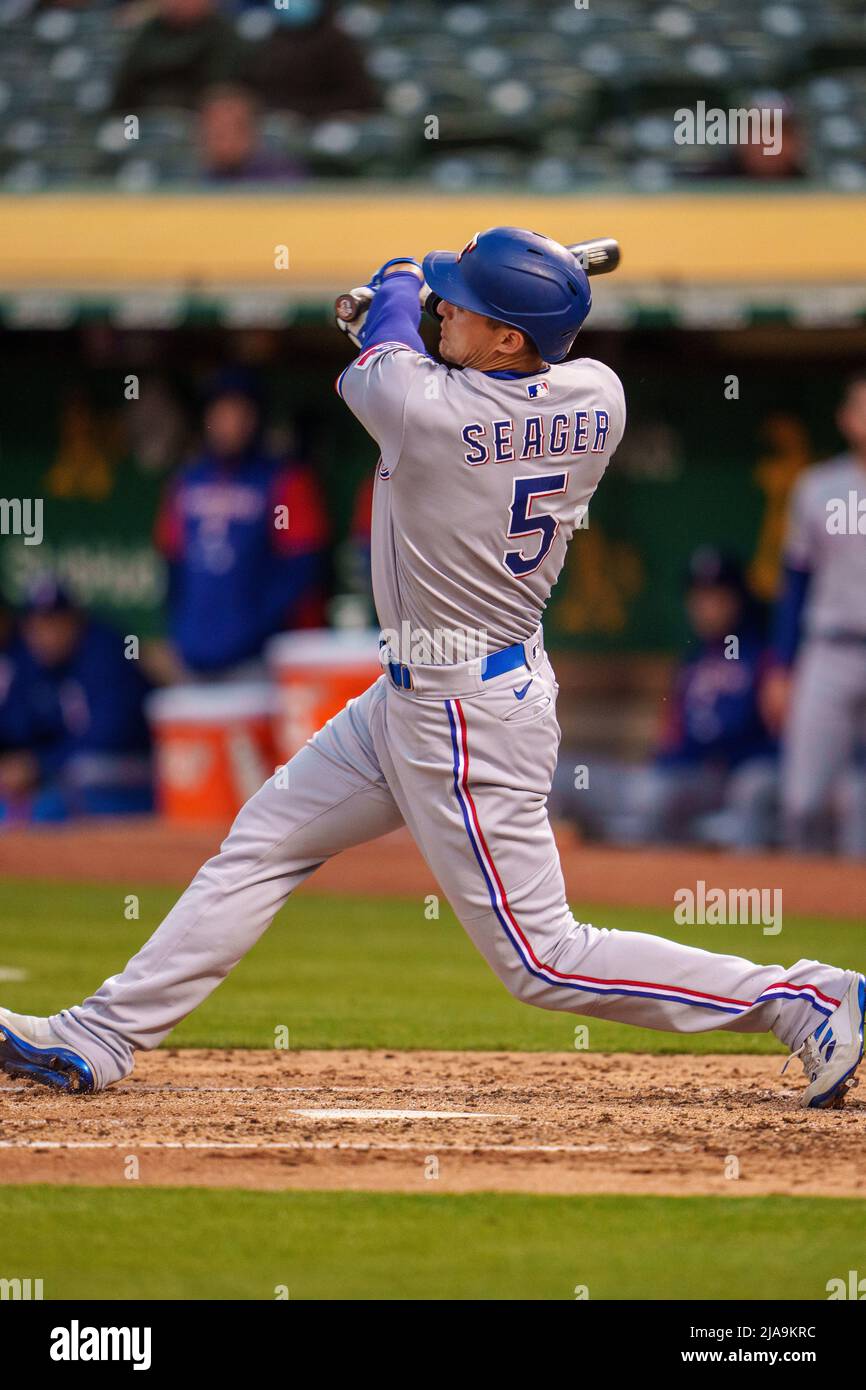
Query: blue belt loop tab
x,y
400,675
506,660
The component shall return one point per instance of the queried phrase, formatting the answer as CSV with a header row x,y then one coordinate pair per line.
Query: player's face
x,y
852,417
230,424
51,637
466,338
713,610
228,133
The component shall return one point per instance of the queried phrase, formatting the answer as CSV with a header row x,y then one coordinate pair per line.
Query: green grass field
x,y
113,1243
346,972
356,972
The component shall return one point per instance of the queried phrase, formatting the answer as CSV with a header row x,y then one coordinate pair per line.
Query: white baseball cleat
x,y
29,1048
832,1054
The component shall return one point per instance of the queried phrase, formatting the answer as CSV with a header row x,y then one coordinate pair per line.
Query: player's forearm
x,y
395,313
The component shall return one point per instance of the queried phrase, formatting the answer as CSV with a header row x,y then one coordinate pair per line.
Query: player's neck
x,y
508,362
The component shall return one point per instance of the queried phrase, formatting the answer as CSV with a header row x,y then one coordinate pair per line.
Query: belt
x,y
469,675
508,659
400,675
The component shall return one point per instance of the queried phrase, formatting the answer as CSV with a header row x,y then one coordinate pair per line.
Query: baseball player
x,y
71,716
715,755
487,460
818,687
234,578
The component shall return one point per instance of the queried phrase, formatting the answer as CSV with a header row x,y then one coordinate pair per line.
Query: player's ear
x,y
513,341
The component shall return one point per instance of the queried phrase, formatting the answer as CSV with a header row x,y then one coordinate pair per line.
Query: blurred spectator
x,y
714,774
73,737
230,140
816,692
185,48
716,754
310,65
751,159
245,537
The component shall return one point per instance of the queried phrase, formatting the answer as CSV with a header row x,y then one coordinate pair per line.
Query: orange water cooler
x,y
315,673
214,748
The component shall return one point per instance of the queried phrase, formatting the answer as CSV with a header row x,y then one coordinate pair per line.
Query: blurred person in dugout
x,y
815,694
245,537
713,777
73,737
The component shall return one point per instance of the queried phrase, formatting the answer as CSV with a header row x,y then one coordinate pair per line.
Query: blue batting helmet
x,y
519,277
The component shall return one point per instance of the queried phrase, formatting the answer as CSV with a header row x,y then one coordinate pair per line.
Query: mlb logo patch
x,y
538,388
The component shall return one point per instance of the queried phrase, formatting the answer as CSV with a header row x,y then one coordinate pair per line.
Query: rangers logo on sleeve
x,y
366,357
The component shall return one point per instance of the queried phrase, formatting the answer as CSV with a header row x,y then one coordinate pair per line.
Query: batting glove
x,y
354,328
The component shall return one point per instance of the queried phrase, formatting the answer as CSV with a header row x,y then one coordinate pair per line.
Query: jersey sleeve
x,y
376,388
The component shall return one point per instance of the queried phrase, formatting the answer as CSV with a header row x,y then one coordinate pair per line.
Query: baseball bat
x,y
595,256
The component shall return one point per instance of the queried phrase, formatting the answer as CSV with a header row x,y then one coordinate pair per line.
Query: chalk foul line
x,y
315,1145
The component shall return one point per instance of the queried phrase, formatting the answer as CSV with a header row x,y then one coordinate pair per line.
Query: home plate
x,y
398,1115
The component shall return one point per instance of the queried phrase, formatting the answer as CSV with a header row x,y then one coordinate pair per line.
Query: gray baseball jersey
x,y
827,536
481,482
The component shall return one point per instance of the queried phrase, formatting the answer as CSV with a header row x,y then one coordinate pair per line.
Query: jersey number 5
x,y
523,523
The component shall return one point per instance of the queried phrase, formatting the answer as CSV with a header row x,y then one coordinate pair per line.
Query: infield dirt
x,y
459,1122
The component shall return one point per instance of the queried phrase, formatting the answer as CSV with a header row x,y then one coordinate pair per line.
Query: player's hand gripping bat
x,y
596,256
